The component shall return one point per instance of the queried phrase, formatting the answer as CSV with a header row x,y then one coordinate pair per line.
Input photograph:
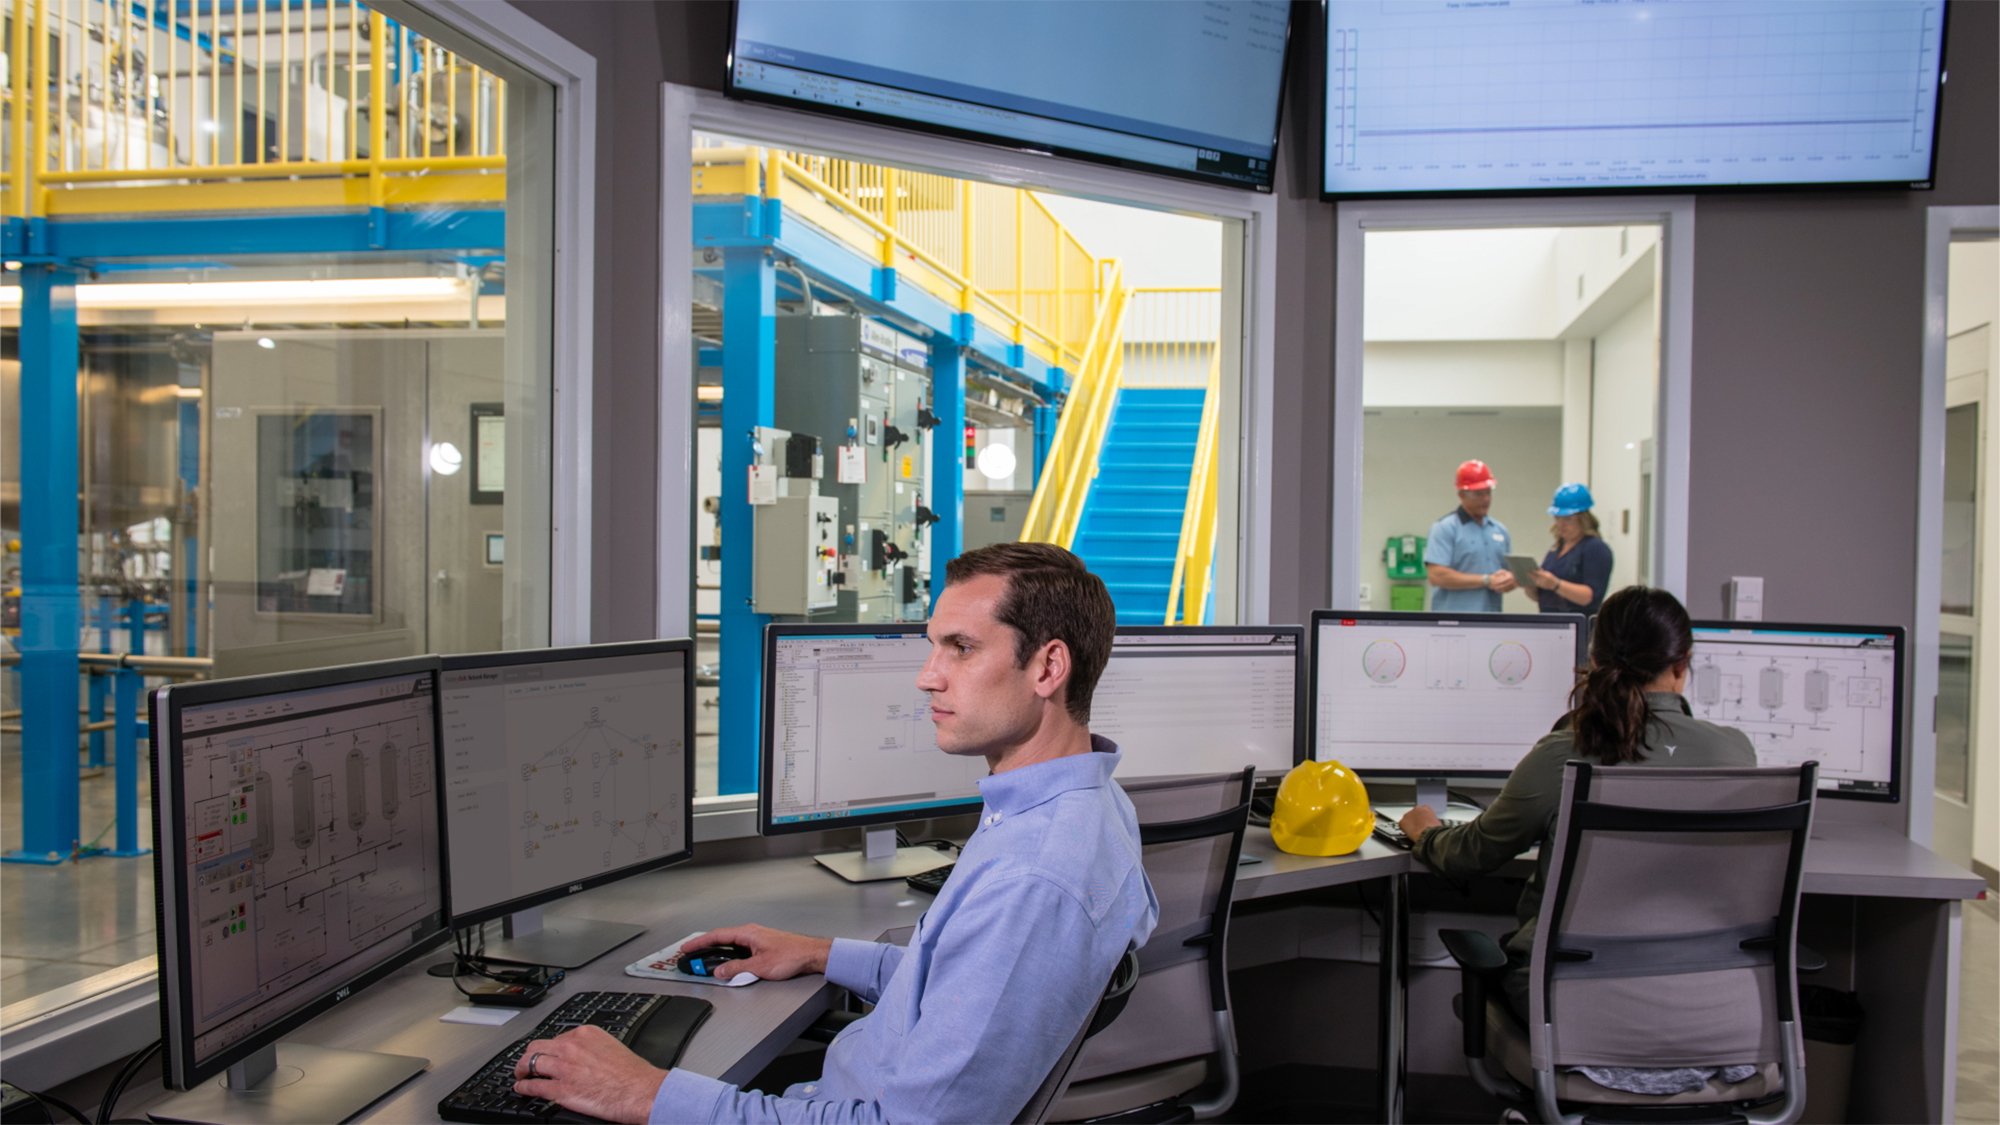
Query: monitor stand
x,y
566,943
1433,791
293,1084
880,859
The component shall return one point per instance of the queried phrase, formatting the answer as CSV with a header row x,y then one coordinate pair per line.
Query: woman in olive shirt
x,y
1627,711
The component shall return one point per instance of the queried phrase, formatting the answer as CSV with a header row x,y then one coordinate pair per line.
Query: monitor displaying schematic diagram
x,y
564,769
298,849
848,739
1830,694
1413,694
1202,699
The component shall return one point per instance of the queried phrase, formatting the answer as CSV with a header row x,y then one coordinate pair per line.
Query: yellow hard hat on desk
x,y
1322,809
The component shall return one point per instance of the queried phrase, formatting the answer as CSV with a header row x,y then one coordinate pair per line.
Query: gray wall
x,y
1808,320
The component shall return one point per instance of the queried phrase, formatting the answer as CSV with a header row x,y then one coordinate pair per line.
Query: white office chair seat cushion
x,y
1507,1047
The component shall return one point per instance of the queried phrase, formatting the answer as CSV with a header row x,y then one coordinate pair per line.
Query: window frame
x,y
69,1031
1250,251
1675,217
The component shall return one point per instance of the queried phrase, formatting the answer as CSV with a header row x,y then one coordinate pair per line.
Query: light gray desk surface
x,y
750,1025
747,1029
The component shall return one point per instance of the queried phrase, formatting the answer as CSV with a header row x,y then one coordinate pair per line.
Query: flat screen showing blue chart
x,y
1451,96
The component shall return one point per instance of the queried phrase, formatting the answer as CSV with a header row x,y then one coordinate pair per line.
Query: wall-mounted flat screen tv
x,y
1185,87
1453,97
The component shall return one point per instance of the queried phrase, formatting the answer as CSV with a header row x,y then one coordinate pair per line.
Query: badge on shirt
x,y
1499,538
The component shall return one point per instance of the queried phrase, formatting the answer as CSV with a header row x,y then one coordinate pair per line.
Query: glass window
x,y
291,453
1534,351
1088,339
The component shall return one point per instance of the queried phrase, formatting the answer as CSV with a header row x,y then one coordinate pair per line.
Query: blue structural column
x,y
1046,418
947,478
51,621
749,351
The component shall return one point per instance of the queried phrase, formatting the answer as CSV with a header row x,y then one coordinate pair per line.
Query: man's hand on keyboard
x,y
1418,821
777,955
588,1071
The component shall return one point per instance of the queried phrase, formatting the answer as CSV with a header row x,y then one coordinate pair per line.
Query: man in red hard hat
x,y
1466,557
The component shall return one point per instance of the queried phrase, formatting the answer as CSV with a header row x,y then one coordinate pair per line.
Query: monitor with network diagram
x,y
1831,694
564,769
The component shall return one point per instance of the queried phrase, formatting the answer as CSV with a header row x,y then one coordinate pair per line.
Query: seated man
x,y
972,1016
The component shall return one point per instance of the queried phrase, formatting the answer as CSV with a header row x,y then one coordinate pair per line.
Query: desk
x,y
1885,911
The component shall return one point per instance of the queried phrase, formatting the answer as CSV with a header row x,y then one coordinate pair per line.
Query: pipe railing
x,y
154,102
1057,508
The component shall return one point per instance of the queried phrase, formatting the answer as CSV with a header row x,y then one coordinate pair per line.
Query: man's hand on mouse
x,y
775,954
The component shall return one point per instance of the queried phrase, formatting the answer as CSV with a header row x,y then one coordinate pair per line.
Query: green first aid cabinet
x,y
1403,558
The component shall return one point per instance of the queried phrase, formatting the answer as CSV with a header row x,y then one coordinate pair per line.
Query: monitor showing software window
x,y
565,769
1439,695
1826,693
848,743
1201,699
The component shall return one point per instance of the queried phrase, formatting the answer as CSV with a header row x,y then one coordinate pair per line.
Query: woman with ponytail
x,y
1627,710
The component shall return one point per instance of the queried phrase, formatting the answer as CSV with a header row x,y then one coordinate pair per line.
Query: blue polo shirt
x,y
1468,546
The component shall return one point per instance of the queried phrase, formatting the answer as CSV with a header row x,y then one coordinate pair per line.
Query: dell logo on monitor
x,y
575,887
341,995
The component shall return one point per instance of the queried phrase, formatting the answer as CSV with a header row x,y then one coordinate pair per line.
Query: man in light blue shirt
x,y
1011,959
1466,556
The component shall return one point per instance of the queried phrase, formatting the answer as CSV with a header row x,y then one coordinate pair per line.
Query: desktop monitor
x,y
848,743
1826,693
298,857
1202,699
1436,695
564,769
1467,98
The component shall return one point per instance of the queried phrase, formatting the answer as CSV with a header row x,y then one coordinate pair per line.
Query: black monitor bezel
x,y
1266,187
767,748
1901,636
1301,742
180,1069
472,661
1580,623
1328,195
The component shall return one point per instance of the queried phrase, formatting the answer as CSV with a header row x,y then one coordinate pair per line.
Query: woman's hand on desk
x,y
1418,821
588,1071
777,955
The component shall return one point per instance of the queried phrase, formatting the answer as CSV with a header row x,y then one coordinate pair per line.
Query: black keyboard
x,y
932,881
1391,833
657,1027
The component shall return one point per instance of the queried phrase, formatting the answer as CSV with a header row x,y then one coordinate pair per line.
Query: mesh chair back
x,y
1191,832
1668,928
1103,1014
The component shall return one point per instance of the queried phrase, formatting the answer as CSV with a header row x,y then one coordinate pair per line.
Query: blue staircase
x,y
1132,517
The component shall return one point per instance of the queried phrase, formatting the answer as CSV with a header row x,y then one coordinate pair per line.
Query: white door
x,y
1967,514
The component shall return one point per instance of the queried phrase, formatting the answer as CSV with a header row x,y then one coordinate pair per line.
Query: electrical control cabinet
x,y
796,559
865,390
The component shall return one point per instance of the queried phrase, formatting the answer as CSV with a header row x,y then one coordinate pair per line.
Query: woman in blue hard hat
x,y
1577,569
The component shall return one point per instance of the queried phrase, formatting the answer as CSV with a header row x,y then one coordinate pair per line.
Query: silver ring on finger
x,y
532,1060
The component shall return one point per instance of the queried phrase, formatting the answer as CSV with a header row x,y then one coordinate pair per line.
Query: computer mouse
x,y
702,962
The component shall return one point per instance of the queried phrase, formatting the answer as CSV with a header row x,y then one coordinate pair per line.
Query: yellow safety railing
x,y
1194,559
995,252
1171,334
161,108
1057,508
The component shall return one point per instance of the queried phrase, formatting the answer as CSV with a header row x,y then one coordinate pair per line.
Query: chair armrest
x,y
1474,950
828,1025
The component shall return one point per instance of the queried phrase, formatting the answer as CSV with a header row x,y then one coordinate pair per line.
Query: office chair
x,y
1116,993
1160,1055
1667,938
